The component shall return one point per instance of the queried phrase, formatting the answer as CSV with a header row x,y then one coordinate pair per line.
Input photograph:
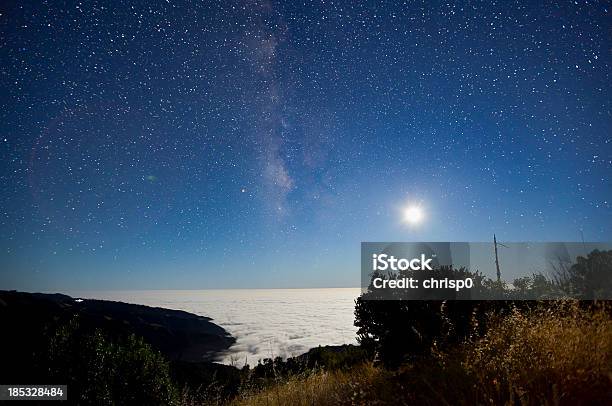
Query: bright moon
x,y
413,215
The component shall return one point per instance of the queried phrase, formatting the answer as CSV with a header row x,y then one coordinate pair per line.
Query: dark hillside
x,y
29,318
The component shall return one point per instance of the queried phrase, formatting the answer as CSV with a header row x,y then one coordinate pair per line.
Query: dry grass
x,y
560,355
341,387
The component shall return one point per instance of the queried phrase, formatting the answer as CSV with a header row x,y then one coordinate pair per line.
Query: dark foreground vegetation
x,y
557,354
512,352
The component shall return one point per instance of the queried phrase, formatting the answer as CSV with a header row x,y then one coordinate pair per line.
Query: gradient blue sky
x,y
190,145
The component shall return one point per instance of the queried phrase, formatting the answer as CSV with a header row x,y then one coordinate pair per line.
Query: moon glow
x,y
413,215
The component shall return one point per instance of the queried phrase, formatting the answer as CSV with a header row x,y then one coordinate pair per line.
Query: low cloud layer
x,y
266,322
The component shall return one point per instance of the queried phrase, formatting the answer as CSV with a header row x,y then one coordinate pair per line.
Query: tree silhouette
x,y
587,278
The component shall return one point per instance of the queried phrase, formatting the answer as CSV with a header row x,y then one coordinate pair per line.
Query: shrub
x,y
99,371
397,332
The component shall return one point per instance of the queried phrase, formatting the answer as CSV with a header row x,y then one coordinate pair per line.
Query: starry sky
x,y
199,144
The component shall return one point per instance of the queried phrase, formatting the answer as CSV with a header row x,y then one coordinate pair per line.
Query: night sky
x,y
187,144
